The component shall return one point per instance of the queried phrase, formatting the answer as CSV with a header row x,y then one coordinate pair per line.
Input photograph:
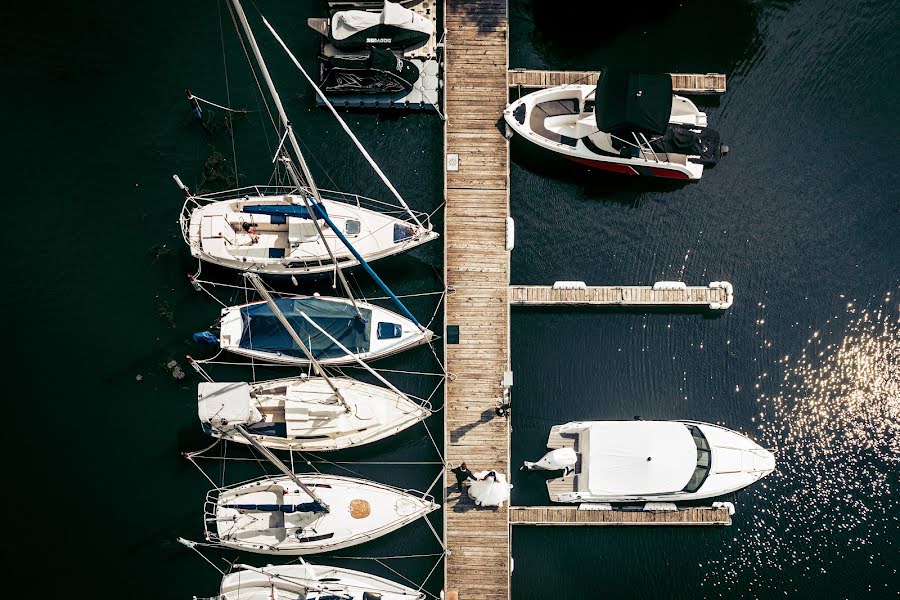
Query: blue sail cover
x,y
311,507
285,210
264,332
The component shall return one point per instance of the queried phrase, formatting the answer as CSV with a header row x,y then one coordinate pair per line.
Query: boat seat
x,y
263,223
553,108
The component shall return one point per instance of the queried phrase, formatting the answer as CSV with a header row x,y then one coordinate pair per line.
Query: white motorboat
x,y
639,461
267,230
306,581
305,413
629,123
329,327
308,513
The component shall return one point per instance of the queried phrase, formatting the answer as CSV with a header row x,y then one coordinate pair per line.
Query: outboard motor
x,y
556,460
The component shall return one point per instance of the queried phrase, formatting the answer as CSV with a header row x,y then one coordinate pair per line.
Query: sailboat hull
x,y
248,330
359,511
302,413
221,231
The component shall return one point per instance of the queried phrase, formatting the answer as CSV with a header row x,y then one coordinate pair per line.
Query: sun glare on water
x,y
833,421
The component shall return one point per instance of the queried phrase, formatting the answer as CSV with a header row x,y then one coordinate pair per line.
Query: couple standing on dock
x,y
463,474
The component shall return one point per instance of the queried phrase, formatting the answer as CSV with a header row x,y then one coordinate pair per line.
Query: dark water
x,y
802,217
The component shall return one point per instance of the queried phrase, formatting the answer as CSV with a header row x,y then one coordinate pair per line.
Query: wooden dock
x,y
477,311
682,83
574,516
620,295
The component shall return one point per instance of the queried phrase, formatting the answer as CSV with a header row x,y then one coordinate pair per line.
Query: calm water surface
x,y
802,217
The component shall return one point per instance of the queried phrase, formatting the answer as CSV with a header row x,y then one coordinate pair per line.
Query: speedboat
x,y
268,230
303,413
275,515
629,123
306,581
639,461
376,71
337,331
393,27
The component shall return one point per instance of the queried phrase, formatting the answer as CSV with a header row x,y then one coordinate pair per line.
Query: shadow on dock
x,y
457,434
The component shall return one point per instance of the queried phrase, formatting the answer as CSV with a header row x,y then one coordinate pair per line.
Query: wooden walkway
x,y
682,83
619,295
477,268
574,516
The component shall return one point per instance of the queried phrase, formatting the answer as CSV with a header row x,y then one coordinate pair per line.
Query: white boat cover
x,y
349,22
226,403
637,457
489,492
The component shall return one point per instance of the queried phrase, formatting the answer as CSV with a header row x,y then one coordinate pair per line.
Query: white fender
x,y
555,460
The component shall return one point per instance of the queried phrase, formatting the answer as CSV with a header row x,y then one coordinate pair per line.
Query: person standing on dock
x,y
462,473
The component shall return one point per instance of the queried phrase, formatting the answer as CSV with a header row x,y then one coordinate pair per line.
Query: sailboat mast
x,y
276,99
254,279
347,130
307,174
277,462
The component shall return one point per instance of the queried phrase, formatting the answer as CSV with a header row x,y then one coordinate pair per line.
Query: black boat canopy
x,y
627,102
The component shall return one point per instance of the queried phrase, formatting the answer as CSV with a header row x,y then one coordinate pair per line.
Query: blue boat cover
x,y
311,507
264,332
284,210
205,337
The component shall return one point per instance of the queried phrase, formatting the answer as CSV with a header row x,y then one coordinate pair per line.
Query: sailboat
x,y
305,413
296,514
297,230
308,581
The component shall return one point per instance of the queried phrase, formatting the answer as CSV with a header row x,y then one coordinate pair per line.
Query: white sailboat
x,y
295,230
306,581
308,413
656,461
308,513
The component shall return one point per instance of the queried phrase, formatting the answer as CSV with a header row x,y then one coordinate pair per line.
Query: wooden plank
x,y
682,83
575,516
537,295
476,264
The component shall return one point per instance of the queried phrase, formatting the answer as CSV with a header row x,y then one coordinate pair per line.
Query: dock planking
x,y
619,295
682,83
476,265
573,516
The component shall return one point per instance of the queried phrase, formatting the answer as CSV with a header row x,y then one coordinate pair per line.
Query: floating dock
x,y
717,295
476,267
682,83
578,516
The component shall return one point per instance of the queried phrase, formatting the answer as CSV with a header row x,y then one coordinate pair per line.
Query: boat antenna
x,y
346,128
289,130
254,279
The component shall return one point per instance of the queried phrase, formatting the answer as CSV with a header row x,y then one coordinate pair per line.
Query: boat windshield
x,y
701,471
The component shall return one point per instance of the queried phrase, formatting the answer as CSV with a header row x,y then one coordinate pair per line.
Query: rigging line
x,y
436,536
193,546
436,479
252,70
437,308
430,573
228,94
407,579
345,127
441,554
433,443
406,296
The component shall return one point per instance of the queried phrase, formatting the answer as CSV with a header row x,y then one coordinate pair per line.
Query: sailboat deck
x,y
477,268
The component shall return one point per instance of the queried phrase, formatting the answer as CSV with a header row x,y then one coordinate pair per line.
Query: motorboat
x,y
308,513
394,26
269,230
336,331
639,461
305,413
629,123
375,71
306,581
